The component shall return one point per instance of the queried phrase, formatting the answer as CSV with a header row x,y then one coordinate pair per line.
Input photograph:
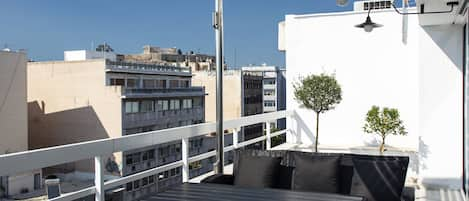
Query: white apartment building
x,y
273,88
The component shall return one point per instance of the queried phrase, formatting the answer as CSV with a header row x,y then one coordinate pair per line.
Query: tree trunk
x,y
381,148
317,132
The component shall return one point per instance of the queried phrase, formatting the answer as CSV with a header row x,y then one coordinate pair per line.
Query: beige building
x,y
232,94
84,99
14,121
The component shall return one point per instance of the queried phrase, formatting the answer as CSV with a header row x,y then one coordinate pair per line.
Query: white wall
x,y
378,68
80,55
373,69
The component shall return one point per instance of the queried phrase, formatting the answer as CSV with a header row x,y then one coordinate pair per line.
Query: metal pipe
x,y
218,25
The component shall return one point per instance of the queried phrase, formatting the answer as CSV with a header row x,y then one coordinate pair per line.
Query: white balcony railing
x,y
15,163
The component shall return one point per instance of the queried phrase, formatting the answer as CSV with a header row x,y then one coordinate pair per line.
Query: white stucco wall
x,y
441,104
421,77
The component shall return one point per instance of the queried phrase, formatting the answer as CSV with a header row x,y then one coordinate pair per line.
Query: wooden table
x,y
218,192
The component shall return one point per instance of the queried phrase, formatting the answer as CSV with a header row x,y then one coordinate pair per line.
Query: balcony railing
x,y
170,92
119,66
136,119
166,90
24,161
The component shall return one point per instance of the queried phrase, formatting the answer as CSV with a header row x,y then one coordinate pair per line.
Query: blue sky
x,y
48,27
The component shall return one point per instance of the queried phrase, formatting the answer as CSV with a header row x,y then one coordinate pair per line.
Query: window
x,y
269,81
269,93
197,102
187,103
130,131
151,179
132,83
184,83
117,82
174,104
269,104
174,84
136,184
173,172
128,187
195,165
136,158
149,84
151,154
145,181
128,159
163,105
145,156
147,106
131,107
160,83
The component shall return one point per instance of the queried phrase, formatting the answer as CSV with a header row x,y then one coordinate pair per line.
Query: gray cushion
x,y
257,171
317,173
379,178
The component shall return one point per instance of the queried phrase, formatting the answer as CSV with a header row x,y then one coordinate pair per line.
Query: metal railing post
x,y
268,143
185,160
235,138
99,178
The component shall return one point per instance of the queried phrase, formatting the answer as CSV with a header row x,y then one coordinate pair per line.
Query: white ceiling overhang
x,y
427,6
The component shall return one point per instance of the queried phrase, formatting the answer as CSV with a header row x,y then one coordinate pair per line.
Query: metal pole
x,y
218,25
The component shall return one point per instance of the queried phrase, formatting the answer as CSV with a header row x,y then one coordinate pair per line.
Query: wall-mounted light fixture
x,y
368,25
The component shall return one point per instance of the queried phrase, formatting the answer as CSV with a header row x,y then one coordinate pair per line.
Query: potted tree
x,y
319,93
383,123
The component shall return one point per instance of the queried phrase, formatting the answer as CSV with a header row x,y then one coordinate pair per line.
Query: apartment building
x,y
14,122
91,95
273,89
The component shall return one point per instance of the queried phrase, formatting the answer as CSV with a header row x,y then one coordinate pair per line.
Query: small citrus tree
x,y
384,122
319,93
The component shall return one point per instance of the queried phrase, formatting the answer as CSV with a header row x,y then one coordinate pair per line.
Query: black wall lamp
x,y
368,25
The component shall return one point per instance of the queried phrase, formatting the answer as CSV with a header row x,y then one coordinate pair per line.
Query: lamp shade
x,y
368,25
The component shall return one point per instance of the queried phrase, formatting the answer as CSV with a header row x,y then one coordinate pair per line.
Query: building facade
x,y
88,99
273,89
242,96
14,122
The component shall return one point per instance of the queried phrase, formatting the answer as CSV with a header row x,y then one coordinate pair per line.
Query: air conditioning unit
x,y
372,4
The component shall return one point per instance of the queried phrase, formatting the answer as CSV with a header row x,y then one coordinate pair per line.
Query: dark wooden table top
x,y
218,192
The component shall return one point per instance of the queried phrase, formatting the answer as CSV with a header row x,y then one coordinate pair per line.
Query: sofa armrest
x,y
408,194
219,179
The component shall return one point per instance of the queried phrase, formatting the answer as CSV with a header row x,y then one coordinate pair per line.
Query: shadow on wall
x,y
443,36
64,127
301,127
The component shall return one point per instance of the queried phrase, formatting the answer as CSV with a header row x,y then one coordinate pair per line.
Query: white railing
x,y
30,160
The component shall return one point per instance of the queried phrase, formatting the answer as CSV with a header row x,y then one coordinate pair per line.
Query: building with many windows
x,y
273,89
242,97
90,99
